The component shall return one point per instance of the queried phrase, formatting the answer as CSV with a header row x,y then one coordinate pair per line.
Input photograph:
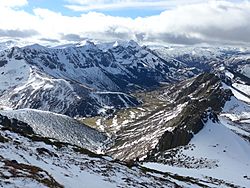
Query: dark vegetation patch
x,y
20,170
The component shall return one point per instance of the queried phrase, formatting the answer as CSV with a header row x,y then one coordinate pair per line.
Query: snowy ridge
x,y
207,58
89,65
223,158
218,155
60,127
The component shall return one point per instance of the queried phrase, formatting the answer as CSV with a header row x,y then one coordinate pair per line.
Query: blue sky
x,y
54,5
123,8
147,21
59,6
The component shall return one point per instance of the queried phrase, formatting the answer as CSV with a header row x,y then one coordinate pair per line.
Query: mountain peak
x,y
36,47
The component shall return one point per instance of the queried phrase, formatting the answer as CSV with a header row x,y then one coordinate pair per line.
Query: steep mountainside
x,y
81,79
167,118
215,157
219,152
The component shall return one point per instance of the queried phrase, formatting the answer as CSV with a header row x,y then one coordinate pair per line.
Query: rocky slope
x,y
202,93
219,152
30,160
168,117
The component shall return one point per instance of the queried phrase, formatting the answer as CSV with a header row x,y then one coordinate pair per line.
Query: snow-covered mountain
x,y
177,116
80,79
88,78
207,58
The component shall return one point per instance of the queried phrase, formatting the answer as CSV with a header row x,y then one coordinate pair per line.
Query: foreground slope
x,y
215,156
30,160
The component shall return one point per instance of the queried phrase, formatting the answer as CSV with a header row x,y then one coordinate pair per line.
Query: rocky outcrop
x,y
170,122
16,125
205,95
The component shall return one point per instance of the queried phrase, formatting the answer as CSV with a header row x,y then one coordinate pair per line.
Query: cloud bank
x,y
207,22
13,3
18,33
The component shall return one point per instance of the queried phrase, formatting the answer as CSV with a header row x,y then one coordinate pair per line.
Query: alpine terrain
x,y
121,114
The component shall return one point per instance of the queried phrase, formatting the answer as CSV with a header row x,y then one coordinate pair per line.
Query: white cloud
x,y
214,21
13,3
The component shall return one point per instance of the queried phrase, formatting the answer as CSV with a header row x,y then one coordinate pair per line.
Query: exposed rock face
x,y
206,92
175,138
16,125
178,115
181,136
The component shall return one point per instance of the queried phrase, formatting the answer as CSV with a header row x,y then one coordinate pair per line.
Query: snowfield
x,y
217,144
237,93
60,127
238,108
246,70
243,88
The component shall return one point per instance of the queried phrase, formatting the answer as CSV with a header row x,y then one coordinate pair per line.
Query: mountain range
x,y
124,115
